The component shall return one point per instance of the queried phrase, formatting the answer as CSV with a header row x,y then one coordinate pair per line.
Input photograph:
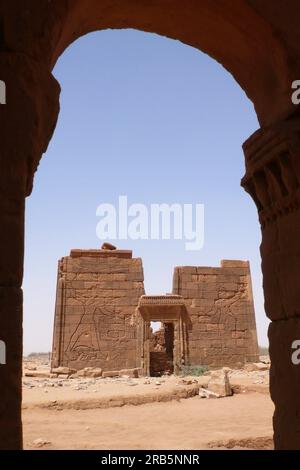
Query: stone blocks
x,y
97,293
221,312
96,323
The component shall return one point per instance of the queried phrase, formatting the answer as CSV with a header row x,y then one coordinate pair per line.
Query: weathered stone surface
x,y
204,393
210,323
40,443
11,371
256,366
111,373
220,310
34,35
219,383
37,374
133,373
88,372
94,308
108,246
285,382
63,370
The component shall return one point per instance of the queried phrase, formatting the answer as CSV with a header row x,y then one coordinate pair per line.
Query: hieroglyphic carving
x,y
220,307
93,328
94,307
103,319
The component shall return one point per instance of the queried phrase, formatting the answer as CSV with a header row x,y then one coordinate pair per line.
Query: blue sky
x,y
156,120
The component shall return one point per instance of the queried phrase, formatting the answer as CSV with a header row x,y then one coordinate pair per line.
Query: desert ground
x,y
61,412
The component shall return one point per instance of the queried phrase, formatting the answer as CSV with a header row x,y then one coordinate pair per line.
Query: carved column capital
x,y
273,170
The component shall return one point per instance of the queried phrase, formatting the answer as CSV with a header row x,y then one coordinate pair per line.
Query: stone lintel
x,y
161,307
157,300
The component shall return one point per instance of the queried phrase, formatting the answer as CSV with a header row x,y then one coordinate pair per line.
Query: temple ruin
x,y
258,43
103,317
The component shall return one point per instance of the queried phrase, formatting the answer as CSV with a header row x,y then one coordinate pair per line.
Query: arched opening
x,y
255,42
177,153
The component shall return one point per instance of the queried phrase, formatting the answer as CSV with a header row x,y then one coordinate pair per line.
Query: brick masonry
x,y
219,302
98,292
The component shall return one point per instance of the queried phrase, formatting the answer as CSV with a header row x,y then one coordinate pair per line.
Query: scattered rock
x,y
63,370
219,382
187,381
37,374
40,442
110,373
64,376
132,373
253,443
204,393
30,367
93,372
236,388
256,366
108,246
28,384
265,359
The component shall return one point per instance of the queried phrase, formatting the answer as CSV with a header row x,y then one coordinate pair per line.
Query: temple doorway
x,y
162,350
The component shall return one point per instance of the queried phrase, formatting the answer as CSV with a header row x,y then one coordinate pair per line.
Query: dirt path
x,y
187,424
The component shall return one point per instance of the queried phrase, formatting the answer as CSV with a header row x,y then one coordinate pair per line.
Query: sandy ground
x,y
103,393
143,413
243,420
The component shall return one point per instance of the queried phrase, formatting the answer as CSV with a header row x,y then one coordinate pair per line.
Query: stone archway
x,y
258,43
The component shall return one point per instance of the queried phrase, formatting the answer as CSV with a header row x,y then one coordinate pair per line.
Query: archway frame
x,y
256,43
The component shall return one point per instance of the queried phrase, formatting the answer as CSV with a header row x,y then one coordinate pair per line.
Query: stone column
x,y
273,180
26,124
